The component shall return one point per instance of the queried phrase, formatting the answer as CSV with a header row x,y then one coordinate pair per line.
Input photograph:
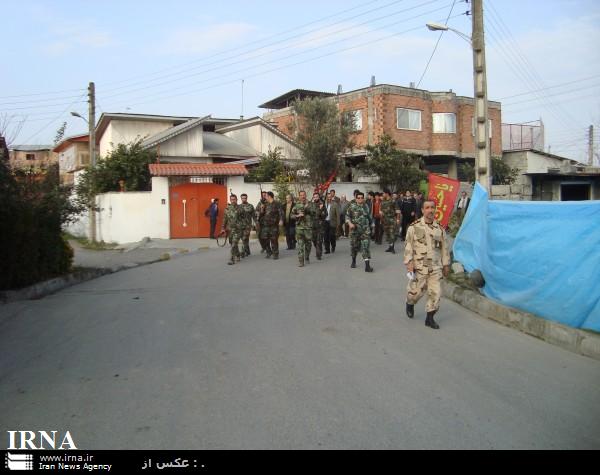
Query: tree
x,y
128,162
60,133
396,169
270,165
502,174
10,127
322,135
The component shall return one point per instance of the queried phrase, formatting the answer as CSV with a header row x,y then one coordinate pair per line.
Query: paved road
x,y
191,353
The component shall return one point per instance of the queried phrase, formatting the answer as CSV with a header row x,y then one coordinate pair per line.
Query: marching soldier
x,y
259,220
390,215
303,213
426,256
360,223
272,218
320,213
248,217
232,222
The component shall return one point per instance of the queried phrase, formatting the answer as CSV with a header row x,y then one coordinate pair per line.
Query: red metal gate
x,y
188,203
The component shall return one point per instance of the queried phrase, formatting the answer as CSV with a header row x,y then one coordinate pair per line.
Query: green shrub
x,y
32,247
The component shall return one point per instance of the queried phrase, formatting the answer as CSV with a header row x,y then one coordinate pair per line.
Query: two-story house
x,y
438,126
73,154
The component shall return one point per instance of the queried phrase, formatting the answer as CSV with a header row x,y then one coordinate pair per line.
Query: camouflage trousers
x,y
426,280
269,236
360,238
390,232
303,239
246,239
234,239
317,240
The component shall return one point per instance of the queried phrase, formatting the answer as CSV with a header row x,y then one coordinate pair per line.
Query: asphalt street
x,y
193,354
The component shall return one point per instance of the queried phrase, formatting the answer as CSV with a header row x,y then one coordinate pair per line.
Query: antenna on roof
x,y
373,83
242,114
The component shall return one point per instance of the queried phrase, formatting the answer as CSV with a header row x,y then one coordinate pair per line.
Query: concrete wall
x,y
125,131
262,139
237,186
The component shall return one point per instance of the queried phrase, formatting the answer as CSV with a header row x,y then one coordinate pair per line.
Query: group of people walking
x,y
318,222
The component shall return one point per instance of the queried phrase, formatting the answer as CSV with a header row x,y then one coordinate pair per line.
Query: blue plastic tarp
x,y
542,257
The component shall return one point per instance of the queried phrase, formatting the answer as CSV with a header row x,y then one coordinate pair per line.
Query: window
x,y
355,118
84,158
408,119
473,126
444,123
30,156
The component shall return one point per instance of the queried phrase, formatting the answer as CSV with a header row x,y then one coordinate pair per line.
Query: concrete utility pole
x,y
482,133
591,147
92,129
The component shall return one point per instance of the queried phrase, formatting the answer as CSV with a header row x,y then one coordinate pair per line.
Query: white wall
x,y
261,139
131,216
236,185
126,131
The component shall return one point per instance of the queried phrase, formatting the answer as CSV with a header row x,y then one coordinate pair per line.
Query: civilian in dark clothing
x,y
408,210
213,214
289,223
419,205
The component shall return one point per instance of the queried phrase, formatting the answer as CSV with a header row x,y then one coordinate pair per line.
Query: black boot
x,y
368,267
353,265
389,249
430,322
410,310
393,251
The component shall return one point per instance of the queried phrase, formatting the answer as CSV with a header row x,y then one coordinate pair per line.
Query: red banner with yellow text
x,y
444,192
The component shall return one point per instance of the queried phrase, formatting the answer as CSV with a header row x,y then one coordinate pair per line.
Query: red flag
x,y
324,186
444,192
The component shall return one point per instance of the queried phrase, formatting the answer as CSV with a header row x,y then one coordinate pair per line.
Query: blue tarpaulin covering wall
x,y
542,257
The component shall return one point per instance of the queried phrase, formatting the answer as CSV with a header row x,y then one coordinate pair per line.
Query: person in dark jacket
x,y
409,212
212,212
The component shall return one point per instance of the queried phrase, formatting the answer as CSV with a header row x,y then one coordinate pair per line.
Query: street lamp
x,y
482,134
77,114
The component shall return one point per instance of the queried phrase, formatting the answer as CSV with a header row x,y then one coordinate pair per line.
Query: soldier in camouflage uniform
x,y
232,222
426,255
303,213
390,215
360,223
320,213
248,217
259,220
272,216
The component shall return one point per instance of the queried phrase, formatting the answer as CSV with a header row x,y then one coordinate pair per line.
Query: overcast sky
x,y
188,58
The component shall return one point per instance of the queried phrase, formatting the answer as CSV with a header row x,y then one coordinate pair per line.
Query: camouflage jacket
x,y
260,206
389,210
306,221
319,213
232,220
359,215
272,214
426,245
247,214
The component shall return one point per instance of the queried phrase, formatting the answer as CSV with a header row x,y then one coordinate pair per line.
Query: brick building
x,y
438,126
31,157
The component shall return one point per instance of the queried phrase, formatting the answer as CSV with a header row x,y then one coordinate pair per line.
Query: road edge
x,y
578,341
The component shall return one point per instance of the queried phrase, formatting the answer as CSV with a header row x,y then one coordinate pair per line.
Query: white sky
x,y
187,57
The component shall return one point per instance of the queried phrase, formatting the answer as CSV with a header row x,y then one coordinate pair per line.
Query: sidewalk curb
x,y
582,342
48,287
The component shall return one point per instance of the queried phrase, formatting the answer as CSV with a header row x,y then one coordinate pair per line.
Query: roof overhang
x,y
197,169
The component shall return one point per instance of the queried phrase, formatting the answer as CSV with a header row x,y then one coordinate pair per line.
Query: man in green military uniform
x,y
259,218
320,213
232,222
360,223
248,217
427,258
272,217
390,215
303,213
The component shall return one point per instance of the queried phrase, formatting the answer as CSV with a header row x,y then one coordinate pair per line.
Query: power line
x,y
255,41
551,87
41,93
553,95
272,51
278,60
